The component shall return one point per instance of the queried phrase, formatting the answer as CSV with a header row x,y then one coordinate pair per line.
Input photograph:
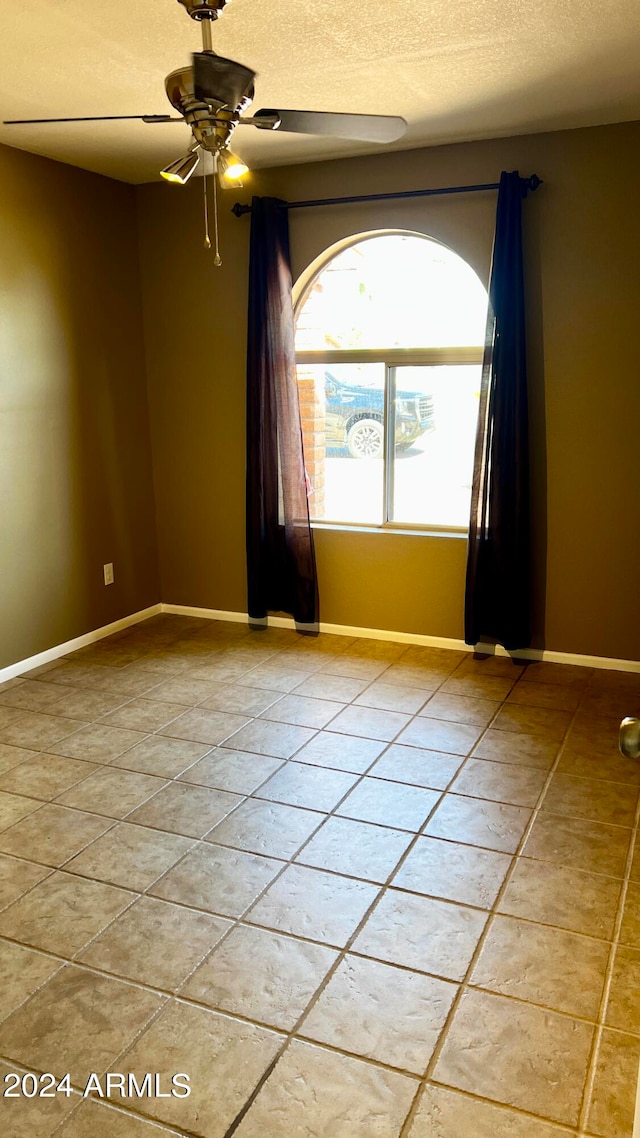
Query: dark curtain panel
x,y
497,600
281,567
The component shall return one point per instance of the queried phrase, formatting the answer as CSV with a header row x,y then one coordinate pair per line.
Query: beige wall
x,y
582,231
74,437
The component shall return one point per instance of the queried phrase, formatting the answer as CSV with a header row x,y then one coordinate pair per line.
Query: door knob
x,y
629,739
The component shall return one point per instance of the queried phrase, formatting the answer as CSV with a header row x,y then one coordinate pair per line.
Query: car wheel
x,y
365,439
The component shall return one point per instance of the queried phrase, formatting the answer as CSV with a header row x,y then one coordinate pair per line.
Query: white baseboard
x,y
549,655
54,653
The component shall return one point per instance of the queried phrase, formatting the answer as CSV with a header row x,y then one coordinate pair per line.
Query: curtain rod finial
x,y
239,209
531,183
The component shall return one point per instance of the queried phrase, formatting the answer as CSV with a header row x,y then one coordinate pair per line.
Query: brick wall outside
x,y
312,415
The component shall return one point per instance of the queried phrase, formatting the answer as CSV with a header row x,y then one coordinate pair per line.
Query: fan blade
x,y
95,118
220,81
361,128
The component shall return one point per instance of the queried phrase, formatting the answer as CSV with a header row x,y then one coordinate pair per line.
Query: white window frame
x,y
392,358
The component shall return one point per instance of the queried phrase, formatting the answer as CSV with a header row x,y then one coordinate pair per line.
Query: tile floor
x,y
353,889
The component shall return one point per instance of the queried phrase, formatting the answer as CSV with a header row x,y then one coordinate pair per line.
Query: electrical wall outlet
x,y
108,573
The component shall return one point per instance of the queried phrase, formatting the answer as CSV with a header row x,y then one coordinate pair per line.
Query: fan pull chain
x,y
207,239
217,260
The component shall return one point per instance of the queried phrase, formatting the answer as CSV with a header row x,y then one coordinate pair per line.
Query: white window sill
x,y
405,531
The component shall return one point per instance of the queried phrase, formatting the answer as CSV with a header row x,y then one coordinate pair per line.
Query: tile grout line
x,y
604,1000
362,776
404,1133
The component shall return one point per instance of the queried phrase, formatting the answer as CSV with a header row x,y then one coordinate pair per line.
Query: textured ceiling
x,y
455,70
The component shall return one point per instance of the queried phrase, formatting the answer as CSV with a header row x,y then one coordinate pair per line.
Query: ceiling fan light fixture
x,y
230,167
181,170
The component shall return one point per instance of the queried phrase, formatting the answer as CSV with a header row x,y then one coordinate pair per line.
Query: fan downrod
x,y
204,9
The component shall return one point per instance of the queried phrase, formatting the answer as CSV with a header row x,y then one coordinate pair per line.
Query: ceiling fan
x,y
212,96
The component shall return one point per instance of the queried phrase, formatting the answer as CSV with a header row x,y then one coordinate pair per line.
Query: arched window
x,y
389,337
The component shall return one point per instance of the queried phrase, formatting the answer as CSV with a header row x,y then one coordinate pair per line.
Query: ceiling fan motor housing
x,y
203,9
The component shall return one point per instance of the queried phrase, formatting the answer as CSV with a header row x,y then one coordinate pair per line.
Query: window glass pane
x,y
432,468
395,290
342,410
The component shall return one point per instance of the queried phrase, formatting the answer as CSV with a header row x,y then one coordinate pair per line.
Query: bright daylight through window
x,y
389,336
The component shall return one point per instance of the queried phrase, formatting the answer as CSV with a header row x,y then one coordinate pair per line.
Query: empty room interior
x,y
319,548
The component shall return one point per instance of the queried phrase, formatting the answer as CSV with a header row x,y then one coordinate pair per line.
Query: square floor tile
x,y
421,933
261,975
580,844
280,740
444,1113
202,726
30,1117
342,689
62,913
393,804
314,904
354,667
630,929
13,807
494,825
613,1102
44,776
268,828
370,723
560,696
549,723
236,771
53,834
94,1118
224,1058
9,715
144,715
341,752
599,801
438,735
86,704
393,697
218,879
11,757
434,769
517,748
552,967
78,1022
240,700
155,943
500,782
275,677
455,872
184,809
112,791
22,971
381,1012
314,1091
474,710
512,1052
36,730
303,710
623,1006
130,856
563,896
487,687
165,758
96,743
297,784
356,849
16,877
185,690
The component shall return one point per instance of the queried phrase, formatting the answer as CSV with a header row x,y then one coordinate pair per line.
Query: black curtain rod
x,y
527,184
